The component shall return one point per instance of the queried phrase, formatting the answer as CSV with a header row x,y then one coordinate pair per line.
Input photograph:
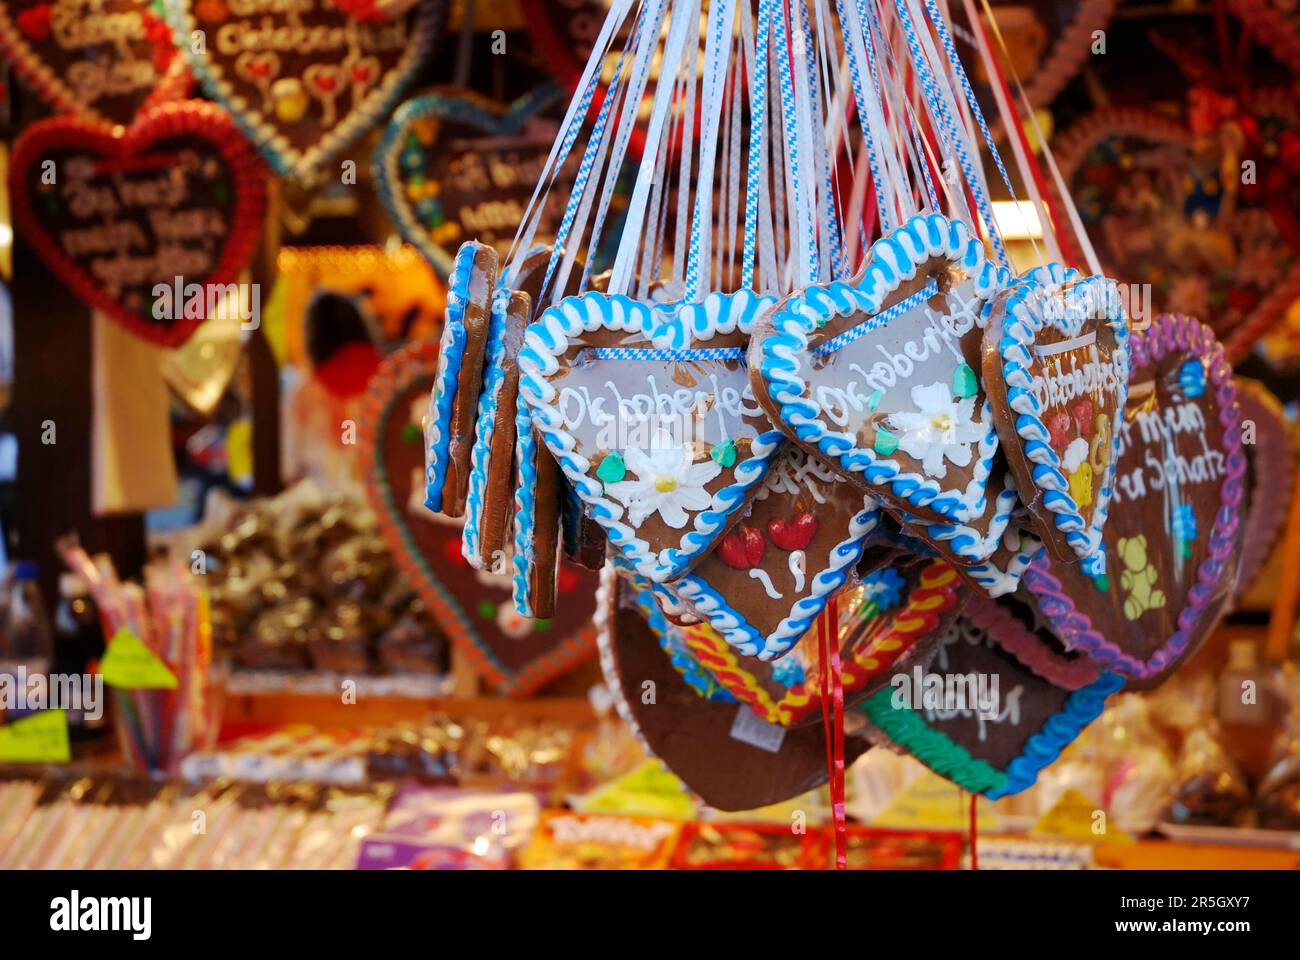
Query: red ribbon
x,y
833,721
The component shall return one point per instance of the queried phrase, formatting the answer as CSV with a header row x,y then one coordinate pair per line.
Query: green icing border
x,y
937,751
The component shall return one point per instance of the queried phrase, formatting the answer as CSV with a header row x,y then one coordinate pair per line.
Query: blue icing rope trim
x,y
678,326
525,505
451,351
1060,730
1025,314
485,429
893,260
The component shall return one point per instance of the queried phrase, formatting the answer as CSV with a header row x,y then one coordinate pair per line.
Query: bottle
x,y
26,648
78,642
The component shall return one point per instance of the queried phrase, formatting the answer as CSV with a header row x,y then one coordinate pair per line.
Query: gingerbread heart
x,y
882,622
1056,358
335,73
880,375
103,62
772,574
453,402
453,166
980,717
648,411
1172,544
473,607
733,759
151,225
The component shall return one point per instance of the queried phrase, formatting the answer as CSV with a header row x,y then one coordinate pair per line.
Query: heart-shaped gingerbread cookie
x,y
453,166
733,759
880,376
104,61
151,225
772,573
1172,549
1056,358
302,79
474,608
980,717
649,413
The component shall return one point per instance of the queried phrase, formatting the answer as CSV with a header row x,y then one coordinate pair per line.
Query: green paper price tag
x,y
129,663
39,738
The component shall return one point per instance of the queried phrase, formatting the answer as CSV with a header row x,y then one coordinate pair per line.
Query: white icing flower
x,y
1075,454
941,427
668,483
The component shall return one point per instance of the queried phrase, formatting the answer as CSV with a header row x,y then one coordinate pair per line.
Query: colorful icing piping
x,y
1010,633
671,327
485,429
907,728
451,351
283,158
781,355
470,111
936,593
1024,319
525,555
1166,334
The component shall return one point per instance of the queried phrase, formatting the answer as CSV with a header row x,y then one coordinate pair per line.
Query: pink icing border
x,y
1165,335
1010,633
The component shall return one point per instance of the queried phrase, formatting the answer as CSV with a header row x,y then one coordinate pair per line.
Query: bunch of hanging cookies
x,y
976,476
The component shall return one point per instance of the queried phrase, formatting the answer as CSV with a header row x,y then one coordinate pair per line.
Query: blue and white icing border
x,y
739,633
485,429
999,581
893,260
676,326
1025,315
965,541
451,353
525,555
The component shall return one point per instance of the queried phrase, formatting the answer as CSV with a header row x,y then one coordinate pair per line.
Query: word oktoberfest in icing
x,y
881,375
648,412
1057,360
1171,547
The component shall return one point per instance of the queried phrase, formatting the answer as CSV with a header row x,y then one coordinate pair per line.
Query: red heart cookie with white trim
x,y
152,225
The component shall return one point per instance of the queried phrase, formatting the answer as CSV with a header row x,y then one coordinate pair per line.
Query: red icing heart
x,y
791,535
361,72
35,22
742,548
324,82
259,68
214,178
1059,429
1082,411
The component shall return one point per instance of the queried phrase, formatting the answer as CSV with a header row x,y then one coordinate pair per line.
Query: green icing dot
x,y
1102,583
724,453
541,626
964,383
411,433
873,401
487,609
886,443
612,469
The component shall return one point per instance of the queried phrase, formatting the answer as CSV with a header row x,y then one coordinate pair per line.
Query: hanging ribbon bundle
x,y
810,374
